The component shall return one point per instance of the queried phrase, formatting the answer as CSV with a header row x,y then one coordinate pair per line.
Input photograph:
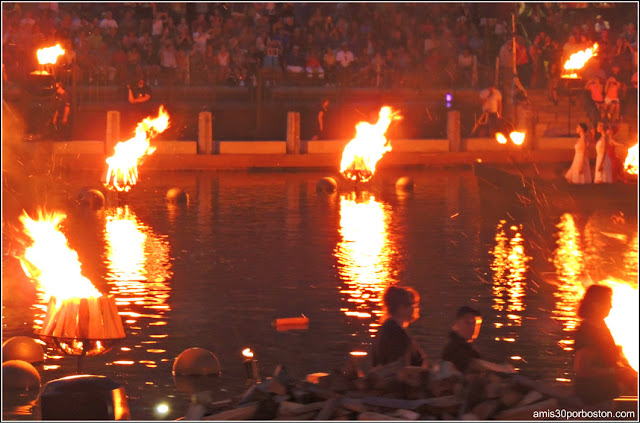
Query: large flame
x,y
363,152
51,262
631,162
578,60
49,55
623,319
123,165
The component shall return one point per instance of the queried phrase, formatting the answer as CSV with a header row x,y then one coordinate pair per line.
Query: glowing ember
x,y
517,137
500,138
622,320
631,162
578,60
363,152
247,353
49,55
123,165
40,72
51,262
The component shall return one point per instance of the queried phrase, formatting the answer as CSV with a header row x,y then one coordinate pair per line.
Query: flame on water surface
x,y
51,262
122,173
369,145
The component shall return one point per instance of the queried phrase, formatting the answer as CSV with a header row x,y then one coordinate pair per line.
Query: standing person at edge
x,y
321,132
466,328
61,115
392,342
580,170
492,107
601,370
141,93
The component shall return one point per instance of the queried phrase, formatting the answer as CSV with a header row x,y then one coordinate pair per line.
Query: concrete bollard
x,y
113,131
293,133
453,131
205,133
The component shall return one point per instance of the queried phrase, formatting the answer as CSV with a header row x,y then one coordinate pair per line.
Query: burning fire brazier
x,y
80,320
82,326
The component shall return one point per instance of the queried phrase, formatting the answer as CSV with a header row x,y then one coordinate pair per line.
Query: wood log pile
x,y
391,392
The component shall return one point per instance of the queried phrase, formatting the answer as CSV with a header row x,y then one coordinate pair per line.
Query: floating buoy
x,y
291,323
22,348
404,183
177,195
326,185
19,375
91,198
196,362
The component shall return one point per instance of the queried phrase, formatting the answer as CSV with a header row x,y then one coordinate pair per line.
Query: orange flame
x,y
500,138
631,162
51,262
123,165
578,60
363,152
49,55
247,353
623,319
517,137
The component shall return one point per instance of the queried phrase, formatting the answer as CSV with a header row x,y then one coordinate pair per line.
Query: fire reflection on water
x,y
569,264
509,279
364,256
139,271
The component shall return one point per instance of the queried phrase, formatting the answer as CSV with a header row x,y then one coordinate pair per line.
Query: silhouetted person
x,y
321,129
392,342
459,349
141,93
600,367
61,114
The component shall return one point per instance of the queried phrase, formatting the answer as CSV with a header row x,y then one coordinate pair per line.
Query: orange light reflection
x,y
364,257
509,279
139,270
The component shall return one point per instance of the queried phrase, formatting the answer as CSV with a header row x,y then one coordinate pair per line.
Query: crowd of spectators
x,y
414,45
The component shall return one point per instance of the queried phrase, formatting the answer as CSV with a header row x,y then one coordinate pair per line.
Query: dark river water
x,y
251,247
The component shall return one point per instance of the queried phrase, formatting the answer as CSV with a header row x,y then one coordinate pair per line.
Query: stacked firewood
x,y
392,392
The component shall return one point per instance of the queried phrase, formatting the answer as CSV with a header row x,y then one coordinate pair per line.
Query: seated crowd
x,y
353,44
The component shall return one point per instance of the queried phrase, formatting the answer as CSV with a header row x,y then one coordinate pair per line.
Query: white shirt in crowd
x,y
345,58
491,100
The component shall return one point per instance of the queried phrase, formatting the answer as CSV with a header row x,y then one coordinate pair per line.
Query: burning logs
x,y
82,326
391,392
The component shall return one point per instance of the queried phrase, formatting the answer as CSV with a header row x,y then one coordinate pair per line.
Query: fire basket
x,y
82,327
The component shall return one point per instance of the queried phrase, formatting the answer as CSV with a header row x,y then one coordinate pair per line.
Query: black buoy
x,y
177,195
326,185
91,198
84,397
405,184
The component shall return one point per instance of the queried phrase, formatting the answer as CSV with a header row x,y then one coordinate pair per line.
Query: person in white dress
x,y
580,170
604,173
